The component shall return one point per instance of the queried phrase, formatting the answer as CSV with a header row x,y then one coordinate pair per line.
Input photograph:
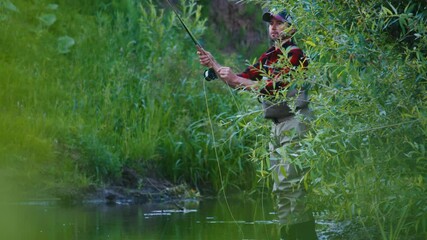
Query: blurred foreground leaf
x,y
65,43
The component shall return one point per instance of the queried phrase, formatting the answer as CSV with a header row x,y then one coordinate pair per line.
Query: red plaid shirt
x,y
264,69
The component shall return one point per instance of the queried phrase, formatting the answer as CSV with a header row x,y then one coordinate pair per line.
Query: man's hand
x,y
233,80
205,57
226,74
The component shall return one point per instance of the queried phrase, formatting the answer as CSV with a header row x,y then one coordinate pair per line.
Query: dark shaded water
x,y
207,219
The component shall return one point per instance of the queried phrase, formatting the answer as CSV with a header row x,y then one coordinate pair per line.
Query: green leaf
x,y
310,43
10,6
52,6
386,10
394,9
48,19
65,43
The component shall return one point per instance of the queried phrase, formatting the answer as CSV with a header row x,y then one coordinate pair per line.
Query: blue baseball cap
x,y
280,16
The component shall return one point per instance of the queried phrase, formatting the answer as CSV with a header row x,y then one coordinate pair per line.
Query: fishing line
x,y
209,116
217,158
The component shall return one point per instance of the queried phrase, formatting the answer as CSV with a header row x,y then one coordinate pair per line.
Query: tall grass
x,y
93,87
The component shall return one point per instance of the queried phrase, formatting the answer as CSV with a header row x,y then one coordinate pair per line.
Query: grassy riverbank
x,y
88,88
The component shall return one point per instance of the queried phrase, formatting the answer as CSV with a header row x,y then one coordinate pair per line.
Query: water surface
x,y
206,219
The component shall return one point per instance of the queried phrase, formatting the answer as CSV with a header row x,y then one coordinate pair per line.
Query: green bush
x,y
367,145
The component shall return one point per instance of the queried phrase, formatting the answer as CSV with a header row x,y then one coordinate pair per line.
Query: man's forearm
x,y
240,82
230,78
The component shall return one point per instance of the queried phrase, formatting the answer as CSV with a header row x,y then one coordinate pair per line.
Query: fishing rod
x,y
210,73
185,26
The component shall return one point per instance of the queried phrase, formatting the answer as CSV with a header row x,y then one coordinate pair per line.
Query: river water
x,y
210,219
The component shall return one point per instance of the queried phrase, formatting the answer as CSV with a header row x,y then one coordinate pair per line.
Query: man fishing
x,y
274,84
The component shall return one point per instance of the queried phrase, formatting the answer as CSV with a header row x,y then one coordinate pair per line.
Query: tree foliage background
x,y
368,74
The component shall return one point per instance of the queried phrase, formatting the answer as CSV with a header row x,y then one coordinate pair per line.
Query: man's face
x,y
277,29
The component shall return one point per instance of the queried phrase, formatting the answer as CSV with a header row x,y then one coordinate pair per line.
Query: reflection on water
x,y
207,219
